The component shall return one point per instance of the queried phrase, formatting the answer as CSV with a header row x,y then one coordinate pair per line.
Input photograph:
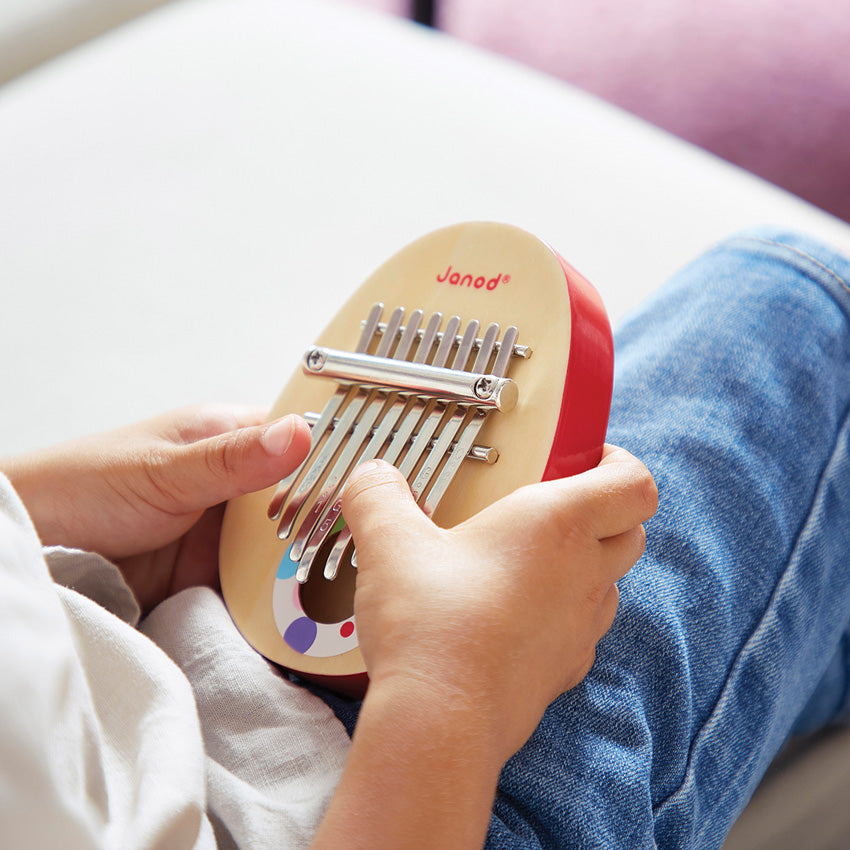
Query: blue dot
x,y
287,567
300,634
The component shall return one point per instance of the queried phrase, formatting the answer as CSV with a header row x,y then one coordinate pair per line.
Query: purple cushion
x,y
763,84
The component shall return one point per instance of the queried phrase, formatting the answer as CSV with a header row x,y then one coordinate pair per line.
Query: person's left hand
x,y
150,497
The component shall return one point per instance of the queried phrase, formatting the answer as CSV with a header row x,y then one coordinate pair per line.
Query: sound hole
x,y
326,601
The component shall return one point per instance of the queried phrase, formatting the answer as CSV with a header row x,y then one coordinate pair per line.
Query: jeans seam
x,y
773,243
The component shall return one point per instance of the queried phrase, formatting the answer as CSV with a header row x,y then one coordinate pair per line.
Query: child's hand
x,y
503,612
149,496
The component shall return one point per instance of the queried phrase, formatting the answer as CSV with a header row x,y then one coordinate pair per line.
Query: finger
x,y
603,502
618,494
622,552
190,424
377,501
614,454
240,461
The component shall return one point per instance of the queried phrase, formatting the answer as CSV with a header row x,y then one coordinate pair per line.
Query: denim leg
x,y
830,702
733,385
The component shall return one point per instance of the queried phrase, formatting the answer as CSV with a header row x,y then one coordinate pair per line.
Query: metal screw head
x,y
484,387
315,360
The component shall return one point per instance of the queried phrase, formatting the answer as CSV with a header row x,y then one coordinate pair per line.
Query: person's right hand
x,y
503,612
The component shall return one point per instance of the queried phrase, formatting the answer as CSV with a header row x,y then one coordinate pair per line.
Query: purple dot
x,y
300,634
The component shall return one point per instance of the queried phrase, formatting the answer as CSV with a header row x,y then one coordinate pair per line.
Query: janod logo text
x,y
472,281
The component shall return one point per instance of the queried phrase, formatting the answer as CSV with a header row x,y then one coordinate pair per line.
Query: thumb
x,y
244,460
377,503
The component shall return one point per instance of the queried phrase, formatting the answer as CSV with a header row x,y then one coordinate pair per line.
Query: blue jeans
x,y
732,384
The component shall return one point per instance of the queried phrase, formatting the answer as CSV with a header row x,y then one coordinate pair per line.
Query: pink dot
x,y
346,629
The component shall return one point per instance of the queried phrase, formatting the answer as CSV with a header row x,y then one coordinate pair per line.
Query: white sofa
x,y
188,194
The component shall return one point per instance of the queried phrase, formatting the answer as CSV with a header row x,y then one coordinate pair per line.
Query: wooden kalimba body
x,y
441,383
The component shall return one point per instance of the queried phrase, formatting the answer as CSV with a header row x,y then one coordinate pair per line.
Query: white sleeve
x,y
100,744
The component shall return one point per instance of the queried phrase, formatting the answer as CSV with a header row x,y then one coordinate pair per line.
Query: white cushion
x,y
188,198
33,31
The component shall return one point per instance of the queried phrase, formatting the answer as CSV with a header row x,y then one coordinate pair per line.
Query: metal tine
x,y
411,413
326,420
466,345
323,514
432,420
442,445
332,444
450,429
506,349
486,350
467,438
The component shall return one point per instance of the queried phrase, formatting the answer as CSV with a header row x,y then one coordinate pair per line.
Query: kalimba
x,y
440,382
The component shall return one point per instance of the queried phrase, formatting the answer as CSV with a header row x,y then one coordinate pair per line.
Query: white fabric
x,y
89,708
102,745
95,578
275,751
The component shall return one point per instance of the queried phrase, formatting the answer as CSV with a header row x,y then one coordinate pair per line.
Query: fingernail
x,y
277,438
364,468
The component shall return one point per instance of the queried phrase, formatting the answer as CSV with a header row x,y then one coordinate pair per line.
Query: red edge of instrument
x,y
586,402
